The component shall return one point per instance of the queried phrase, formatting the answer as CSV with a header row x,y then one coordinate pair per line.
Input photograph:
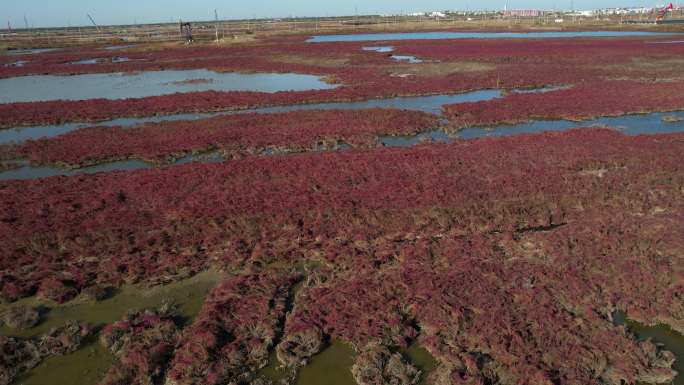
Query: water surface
x,y
659,334
88,365
432,104
32,172
189,294
332,366
382,49
31,51
115,86
18,63
117,47
407,58
629,124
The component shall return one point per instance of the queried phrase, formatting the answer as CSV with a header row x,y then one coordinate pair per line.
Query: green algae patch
x,y
273,372
332,366
86,366
188,295
421,359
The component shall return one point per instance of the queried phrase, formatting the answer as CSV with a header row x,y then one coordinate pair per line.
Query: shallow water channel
x,y
654,123
31,51
87,365
431,104
476,35
121,85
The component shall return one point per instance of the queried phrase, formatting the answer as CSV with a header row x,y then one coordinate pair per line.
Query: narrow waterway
x,y
654,123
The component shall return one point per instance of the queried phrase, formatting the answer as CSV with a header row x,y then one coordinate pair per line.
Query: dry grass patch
x,y
646,64
439,69
333,62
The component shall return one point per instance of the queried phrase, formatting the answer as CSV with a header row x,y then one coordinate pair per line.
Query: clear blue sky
x,y
47,13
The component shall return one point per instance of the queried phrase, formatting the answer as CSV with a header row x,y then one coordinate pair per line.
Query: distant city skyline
x,y
62,13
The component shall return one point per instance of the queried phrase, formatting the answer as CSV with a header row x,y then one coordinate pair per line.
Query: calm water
x,y
386,49
332,366
406,58
432,104
31,51
18,63
474,35
151,83
421,359
659,334
119,59
88,365
382,49
629,125
117,47
86,61
31,172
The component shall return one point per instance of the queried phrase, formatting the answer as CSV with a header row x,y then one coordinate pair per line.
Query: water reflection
x,y
410,59
382,49
655,123
117,47
431,104
30,51
30,172
120,85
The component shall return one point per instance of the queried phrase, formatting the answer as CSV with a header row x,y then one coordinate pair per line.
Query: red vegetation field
x,y
504,257
235,135
235,330
143,342
583,102
461,65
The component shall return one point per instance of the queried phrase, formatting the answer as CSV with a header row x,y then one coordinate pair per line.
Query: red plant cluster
x,y
583,102
234,331
505,257
143,342
235,135
363,75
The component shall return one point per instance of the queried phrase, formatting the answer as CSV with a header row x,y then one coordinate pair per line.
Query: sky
x,y
54,13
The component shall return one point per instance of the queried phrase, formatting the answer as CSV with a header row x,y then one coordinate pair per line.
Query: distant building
x,y
437,14
522,13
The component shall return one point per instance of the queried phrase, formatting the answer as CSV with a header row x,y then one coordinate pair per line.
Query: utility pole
x,y
26,25
572,9
217,25
93,21
9,26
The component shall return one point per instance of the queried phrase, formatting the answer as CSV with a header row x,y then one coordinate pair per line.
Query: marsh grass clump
x,y
377,365
21,317
17,356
